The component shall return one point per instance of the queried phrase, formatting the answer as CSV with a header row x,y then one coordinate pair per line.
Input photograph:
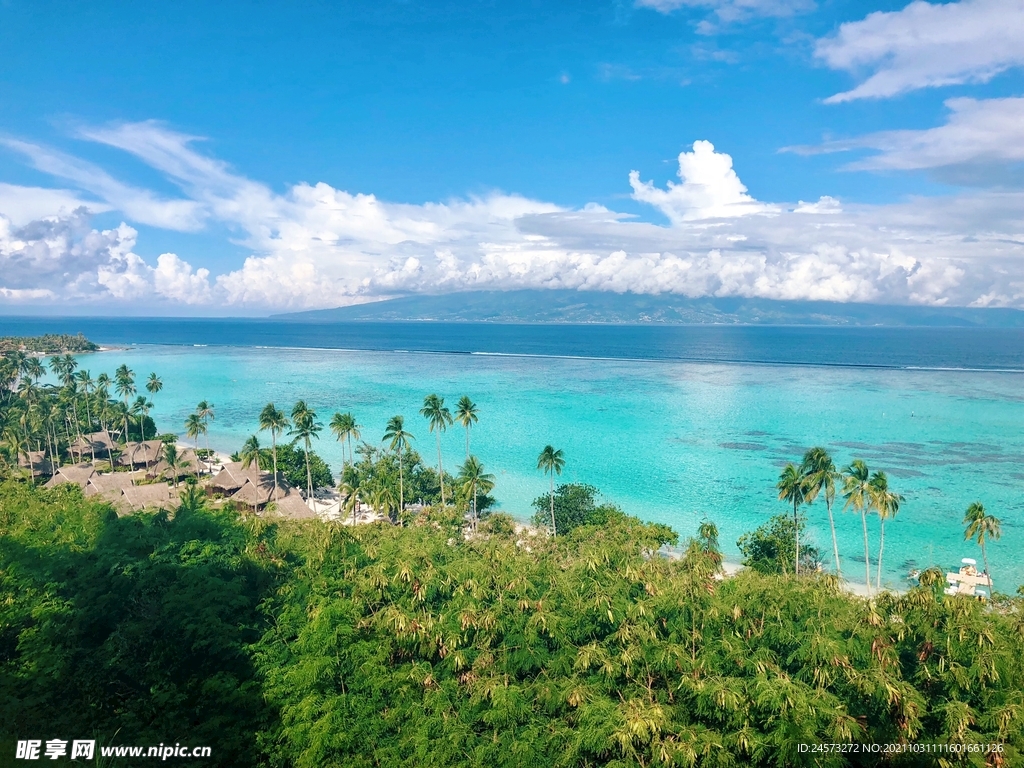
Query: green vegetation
x,y
312,644
48,344
52,417
291,463
575,504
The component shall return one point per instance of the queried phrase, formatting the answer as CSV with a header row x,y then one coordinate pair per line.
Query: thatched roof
x,y
109,486
292,506
157,495
258,490
77,474
147,452
233,476
36,461
189,465
97,442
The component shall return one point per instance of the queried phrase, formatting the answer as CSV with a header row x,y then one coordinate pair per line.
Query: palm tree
x,y
342,425
102,394
857,492
305,427
887,504
440,418
466,415
982,526
353,498
85,382
820,475
154,384
475,480
141,408
275,421
194,427
205,412
792,488
174,462
399,443
250,452
551,463
124,385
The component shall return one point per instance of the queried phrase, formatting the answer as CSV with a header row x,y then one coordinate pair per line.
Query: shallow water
x,y
668,440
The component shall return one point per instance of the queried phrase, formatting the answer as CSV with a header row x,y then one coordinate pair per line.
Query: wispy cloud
x,y
140,205
979,143
926,45
733,10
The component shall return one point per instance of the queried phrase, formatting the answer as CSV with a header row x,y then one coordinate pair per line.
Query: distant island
x,y
48,344
569,306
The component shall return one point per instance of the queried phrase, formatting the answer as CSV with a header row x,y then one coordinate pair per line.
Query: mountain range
x,y
571,306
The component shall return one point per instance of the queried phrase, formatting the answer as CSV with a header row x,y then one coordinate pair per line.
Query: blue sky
x,y
490,145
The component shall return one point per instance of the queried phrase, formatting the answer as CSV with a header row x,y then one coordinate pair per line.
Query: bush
x,y
575,505
771,548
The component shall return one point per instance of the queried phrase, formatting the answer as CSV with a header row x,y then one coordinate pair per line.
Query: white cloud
x,y
710,188
732,10
140,205
20,205
927,45
316,246
174,279
986,133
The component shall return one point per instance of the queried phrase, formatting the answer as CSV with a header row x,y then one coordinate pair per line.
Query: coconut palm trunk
x,y
273,448
881,548
551,497
309,475
401,483
796,537
984,559
867,553
835,541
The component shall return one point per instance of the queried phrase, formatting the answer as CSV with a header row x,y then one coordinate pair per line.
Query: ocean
x,y
673,423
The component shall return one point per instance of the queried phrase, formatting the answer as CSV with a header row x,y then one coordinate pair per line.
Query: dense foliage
x,y
48,344
771,547
575,505
310,644
291,462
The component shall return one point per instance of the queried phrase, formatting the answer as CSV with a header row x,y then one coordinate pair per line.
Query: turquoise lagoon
x,y
669,441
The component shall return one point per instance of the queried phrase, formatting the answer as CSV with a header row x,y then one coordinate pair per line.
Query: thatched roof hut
x,y
145,453
232,477
292,506
188,465
158,495
258,489
99,443
79,474
36,462
108,486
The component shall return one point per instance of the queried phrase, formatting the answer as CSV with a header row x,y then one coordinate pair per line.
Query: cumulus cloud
x,y
710,188
732,10
927,45
316,246
20,204
984,133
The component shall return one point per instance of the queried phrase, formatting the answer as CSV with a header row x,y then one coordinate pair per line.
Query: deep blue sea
x,y
674,423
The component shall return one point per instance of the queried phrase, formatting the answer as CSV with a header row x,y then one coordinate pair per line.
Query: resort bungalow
x,y
231,478
79,474
144,454
137,497
108,486
188,464
96,444
258,490
292,506
36,463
